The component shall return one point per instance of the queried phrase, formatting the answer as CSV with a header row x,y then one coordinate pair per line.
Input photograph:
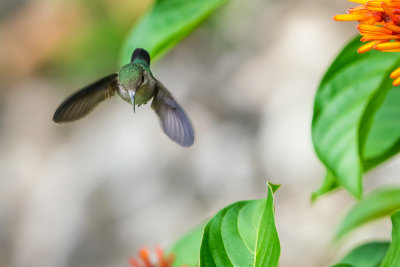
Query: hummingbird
x,y
135,84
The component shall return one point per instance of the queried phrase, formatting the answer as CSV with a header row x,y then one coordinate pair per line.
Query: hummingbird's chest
x,y
143,94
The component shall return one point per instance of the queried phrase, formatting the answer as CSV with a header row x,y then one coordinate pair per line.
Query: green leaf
x,y
187,249
383,139
366,255
343,96
242,234
380,203
392,258
167,23
274,187
329,184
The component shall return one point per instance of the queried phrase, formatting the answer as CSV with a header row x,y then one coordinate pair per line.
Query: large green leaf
x,y
242,234
380,203
392,258
383,139
168,22
366,255
187,248
350,84
383,254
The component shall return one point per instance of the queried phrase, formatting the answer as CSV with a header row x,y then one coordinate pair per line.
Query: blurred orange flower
x,y
144,259
379,24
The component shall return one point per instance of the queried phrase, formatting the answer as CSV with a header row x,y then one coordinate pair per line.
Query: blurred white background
x,y
92,192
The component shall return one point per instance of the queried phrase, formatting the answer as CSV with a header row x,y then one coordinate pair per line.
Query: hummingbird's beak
x,y
132,95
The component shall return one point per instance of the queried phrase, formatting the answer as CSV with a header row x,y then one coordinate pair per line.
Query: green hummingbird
x,y
136,85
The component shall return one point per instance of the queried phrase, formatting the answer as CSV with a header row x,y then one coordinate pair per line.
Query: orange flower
x,y
144,256
379,26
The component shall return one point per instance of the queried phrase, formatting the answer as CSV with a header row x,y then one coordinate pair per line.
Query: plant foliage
x,y
242,234
378,204
356,118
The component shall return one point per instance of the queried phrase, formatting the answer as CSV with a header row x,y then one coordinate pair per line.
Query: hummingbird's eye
x,y
142,79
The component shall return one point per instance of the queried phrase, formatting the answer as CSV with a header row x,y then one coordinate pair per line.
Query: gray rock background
x,y
93,192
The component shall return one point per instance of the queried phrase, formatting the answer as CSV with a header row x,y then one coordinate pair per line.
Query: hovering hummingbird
x,y
135,84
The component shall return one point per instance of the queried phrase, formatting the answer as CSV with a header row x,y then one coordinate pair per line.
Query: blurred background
x,y
92,192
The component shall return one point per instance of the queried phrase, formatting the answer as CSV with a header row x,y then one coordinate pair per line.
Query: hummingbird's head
x,y
131,76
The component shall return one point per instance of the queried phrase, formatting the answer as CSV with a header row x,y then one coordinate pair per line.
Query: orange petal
x,y
372,21
376,9
144,255
359,1
391,50
368,46
391,4
395,74
396,82
352,17
372,37
373,28
388,11
387,46
358,8
391,26
373,4
161,258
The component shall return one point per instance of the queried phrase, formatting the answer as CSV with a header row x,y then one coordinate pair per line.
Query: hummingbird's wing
x,y
174,121
83,101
